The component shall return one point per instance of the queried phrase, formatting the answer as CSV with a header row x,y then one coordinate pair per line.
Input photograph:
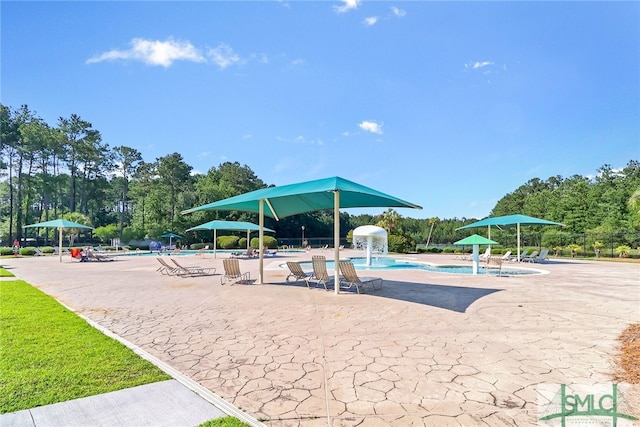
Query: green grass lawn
x,y
5,273
49,354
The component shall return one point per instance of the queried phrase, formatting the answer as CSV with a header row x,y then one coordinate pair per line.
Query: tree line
x,y
67,170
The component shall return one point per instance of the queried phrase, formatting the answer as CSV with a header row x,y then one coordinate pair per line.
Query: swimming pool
x,y
390,263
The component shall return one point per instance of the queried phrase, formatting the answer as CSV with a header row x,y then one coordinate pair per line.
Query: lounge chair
x,y
250,253
530,257
320,275
506,256
232,273
90,255
193,270
166,268
485,256
542,257
297,273
38,252
350,278
522,255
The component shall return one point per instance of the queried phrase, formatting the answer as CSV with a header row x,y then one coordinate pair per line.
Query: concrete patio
x,y
428,349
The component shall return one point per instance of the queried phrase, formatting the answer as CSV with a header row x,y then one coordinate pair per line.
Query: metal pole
x,y
336,241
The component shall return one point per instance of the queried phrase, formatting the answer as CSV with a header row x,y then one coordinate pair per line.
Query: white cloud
x,y
477,65
347,5
370,21
153,52
165,53
371,126
223,56
398,12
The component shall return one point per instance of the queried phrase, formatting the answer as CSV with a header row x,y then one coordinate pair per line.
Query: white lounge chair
x,y
485,256
542,257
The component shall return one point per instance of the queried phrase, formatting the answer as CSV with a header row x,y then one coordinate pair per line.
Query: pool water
x,y
389,263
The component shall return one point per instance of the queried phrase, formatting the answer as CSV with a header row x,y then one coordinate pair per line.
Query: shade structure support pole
x,y
215,240
60,242
260,240
518,227
336,241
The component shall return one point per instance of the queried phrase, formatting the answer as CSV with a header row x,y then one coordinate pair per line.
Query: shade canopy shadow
x,y
453,298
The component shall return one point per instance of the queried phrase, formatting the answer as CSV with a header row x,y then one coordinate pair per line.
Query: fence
x,y
560,242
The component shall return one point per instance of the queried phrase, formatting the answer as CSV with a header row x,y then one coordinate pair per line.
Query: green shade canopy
x,y
309,196
476,239
321,194
60,224
228,225
505,221
171,235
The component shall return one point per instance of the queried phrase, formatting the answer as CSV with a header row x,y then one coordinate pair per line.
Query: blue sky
x,y
449,105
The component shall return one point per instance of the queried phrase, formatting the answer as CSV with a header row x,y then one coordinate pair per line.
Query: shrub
x,y
28,251
242,242
47,249
623,251
450,250
268,241
228,242
6,250
196,246
574,249
400,244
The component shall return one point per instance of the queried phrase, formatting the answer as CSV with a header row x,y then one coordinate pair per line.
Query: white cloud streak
x,y
153,52
478,64
347,5
371,126
370,21
166,53
223,56
398,12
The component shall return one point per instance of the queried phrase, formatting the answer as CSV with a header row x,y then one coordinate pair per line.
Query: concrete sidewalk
x,y
165,403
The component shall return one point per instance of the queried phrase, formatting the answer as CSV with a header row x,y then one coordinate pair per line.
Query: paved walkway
x,y
428,349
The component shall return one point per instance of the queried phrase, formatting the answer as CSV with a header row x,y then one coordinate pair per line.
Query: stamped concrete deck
x,y
428,349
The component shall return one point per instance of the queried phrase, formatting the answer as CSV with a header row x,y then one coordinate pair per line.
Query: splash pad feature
x,y
371,239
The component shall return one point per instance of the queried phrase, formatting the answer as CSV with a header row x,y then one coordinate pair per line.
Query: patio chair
x,y
297,273
320,275
530,257
249,253
350,278
193,270
493,263
232,273
166,268
506,256
38,252
542,256
522,255
485,255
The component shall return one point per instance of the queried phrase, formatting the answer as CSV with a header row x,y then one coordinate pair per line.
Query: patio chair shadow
x,y
454,298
